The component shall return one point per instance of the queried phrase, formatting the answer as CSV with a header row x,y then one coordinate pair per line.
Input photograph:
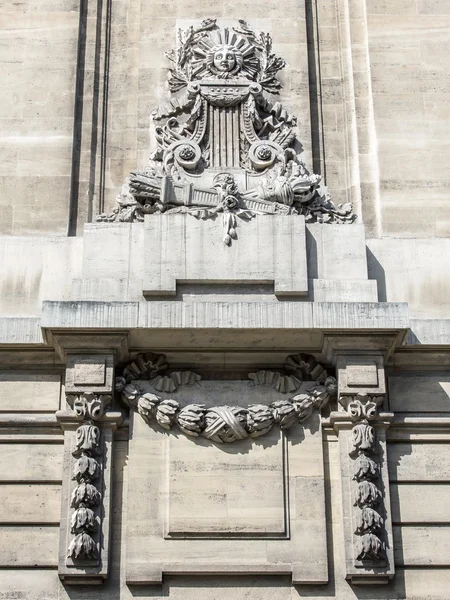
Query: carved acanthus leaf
x,y
365,468
361,406
85,468
85,494
83,519
369,547
363,437
260,420
191,419
87,438
367,494
368,520
82,546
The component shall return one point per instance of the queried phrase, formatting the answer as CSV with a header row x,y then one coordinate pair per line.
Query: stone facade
x,y
224,324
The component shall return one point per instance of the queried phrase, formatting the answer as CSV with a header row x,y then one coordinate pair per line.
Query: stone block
x,y
336,252
420,503
363,374
37,269
21,391
269,249
22,547
205,500
32,462
419,393
33,504
92,373
422,546
419,462
331,290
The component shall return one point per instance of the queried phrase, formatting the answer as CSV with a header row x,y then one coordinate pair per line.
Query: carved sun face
x,y
225,59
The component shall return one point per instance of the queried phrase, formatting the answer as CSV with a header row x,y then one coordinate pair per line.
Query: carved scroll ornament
x,y
222,146
224,424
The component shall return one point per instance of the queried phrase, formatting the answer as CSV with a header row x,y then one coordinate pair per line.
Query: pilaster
x,y
361,426
88,424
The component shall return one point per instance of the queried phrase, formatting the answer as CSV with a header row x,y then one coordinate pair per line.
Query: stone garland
x,y
224,424
86,496
366,474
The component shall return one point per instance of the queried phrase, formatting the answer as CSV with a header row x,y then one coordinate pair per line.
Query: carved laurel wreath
x,y
223,424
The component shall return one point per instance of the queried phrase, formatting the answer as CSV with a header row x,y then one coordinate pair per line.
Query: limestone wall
x,y
31,472
39,64
368,80
408,44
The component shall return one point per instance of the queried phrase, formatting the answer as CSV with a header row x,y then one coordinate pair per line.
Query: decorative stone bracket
x,y
222,424
365,481
88,434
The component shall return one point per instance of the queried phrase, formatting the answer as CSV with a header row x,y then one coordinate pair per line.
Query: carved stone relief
x,y
86,496
362,408
88,427
224,424
362,441
224,148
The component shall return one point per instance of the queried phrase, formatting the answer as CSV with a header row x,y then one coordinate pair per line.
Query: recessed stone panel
x,y
235,490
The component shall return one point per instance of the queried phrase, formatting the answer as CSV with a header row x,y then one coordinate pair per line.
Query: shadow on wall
x,y
376,272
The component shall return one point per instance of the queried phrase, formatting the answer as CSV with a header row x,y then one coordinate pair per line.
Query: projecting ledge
x,y
221,315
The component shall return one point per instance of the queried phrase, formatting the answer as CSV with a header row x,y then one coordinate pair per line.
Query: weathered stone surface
x,y
183,247
30,546
420,503
28,503
368,80
407,393
21,392
32,462
419,462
